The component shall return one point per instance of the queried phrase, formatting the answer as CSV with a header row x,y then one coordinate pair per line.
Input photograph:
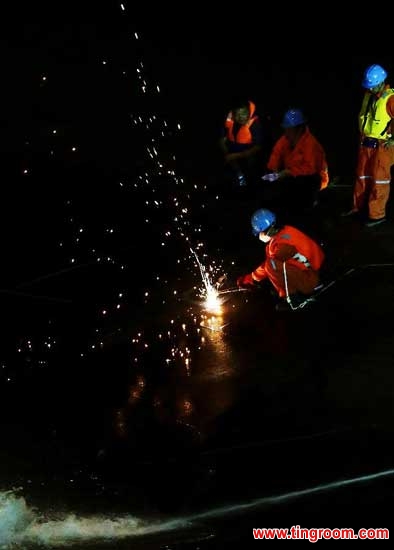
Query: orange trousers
x,y
298,280
372,187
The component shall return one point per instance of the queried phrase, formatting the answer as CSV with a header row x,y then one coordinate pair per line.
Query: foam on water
x,y
21,525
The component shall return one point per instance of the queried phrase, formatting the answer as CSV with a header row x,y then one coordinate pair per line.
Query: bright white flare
x,y
212,301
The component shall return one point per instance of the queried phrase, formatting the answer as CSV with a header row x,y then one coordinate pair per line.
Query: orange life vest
x,y
244,134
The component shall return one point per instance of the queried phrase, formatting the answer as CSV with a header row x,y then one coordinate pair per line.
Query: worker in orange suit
x,y
376,149
241,143
292,261
298,166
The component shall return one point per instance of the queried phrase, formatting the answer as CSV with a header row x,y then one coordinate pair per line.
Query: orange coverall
x,y
306,159
373,173
303,258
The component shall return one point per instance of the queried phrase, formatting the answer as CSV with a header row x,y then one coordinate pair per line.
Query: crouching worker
x,y
292,261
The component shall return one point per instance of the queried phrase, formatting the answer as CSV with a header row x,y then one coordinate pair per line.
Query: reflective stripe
x,y
302,259
273,263
378,182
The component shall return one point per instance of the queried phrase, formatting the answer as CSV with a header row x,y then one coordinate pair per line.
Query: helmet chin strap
x,y
270,230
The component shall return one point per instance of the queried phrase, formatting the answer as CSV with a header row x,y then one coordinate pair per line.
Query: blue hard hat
x,y
373,76
292,118
261,220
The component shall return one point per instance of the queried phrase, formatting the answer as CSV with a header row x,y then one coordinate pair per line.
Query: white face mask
x,y
263,237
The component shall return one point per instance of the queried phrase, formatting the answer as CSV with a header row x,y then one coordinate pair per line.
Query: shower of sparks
x,y
210,292
162,201
180,337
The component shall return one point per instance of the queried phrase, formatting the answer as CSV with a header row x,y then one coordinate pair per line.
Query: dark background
x,y
89,57
201,61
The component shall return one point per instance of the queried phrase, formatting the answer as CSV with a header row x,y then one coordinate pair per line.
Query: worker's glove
x,y
245,281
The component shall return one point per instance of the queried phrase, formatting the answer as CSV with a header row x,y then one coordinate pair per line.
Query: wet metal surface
x,y
315,385
131,416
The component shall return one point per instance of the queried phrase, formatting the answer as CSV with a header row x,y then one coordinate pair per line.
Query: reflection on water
x,y
191,392
210,371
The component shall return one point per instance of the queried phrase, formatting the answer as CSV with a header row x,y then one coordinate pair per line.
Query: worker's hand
x,y
245,281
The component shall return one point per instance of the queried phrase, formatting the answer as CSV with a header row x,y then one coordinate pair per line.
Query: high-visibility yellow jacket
x,y
374,120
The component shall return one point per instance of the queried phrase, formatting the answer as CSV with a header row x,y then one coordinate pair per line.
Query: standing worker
x,y
376,150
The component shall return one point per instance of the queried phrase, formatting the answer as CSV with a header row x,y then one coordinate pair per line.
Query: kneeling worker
x,y
292,262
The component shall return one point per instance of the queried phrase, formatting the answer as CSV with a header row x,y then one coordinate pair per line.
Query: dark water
x,y
125,423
